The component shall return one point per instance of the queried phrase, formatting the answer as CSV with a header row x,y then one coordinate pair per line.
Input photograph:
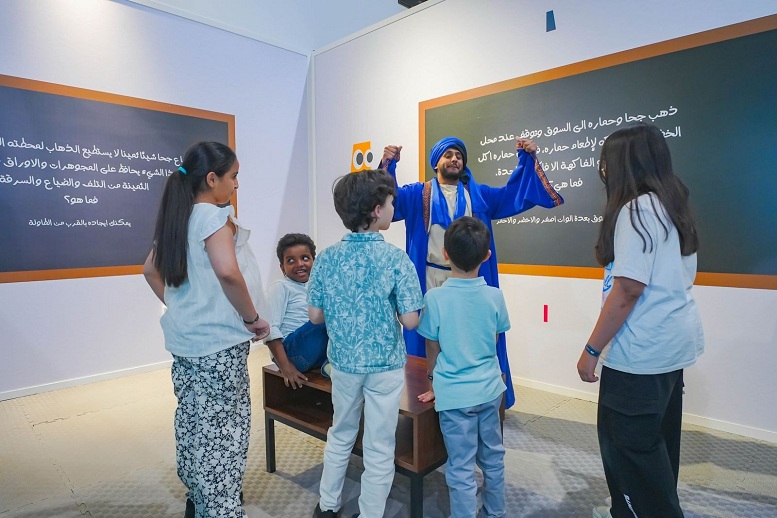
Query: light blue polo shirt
x,y
465,315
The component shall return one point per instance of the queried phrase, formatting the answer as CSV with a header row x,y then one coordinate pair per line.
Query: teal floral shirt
x,y
361,283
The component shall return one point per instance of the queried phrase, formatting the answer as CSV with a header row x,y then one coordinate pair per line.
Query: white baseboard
x,y
556,389
715,424
74,382
725,426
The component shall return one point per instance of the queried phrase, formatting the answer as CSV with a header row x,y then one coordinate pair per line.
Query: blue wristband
x,y
593,352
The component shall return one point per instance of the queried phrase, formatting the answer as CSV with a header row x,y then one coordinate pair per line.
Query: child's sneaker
x,y
326,369
602,512
319,513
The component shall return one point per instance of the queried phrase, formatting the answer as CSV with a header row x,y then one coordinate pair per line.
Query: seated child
x,y
295,343
467,381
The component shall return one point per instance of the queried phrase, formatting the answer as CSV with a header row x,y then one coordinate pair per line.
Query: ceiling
x,y
298,25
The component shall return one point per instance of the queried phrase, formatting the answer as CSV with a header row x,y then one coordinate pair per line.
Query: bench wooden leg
x,y
416,495
269,442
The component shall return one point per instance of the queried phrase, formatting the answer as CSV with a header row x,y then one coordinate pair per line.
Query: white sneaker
x,y
608,501
326,369
602,512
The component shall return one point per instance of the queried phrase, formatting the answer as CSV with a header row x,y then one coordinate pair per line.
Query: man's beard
x,y
450,175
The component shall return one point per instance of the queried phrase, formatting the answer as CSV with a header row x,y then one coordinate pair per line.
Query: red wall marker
x,y
545,313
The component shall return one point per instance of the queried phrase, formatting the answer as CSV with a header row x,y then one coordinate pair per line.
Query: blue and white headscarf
x,y
439,206
439,149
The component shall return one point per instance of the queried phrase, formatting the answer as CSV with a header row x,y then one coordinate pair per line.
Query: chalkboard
x,y
81,176
714,96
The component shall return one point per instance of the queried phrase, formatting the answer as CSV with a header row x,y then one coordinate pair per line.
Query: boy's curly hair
x,y
357,194
290,240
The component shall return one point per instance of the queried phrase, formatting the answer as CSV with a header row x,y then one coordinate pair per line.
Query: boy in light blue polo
x,y
461,321
363,288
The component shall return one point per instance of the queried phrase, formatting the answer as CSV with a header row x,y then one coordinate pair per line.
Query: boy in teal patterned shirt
x,y
363,288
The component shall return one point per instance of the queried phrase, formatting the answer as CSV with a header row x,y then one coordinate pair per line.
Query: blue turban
x,y
439,149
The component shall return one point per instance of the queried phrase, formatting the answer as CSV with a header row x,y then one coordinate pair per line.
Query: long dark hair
x,y
172,223
635,161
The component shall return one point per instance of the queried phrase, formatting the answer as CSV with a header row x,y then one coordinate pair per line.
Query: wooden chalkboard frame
x,y
759,25
104,97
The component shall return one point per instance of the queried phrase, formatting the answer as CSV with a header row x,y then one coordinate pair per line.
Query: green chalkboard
x,y
713,95
81,176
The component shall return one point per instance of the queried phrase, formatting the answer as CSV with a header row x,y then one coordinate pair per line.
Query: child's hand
x,y
260,329
426,397
292,377
586,367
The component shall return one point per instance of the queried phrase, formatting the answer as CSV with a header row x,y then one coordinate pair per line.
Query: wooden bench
x,y
419,450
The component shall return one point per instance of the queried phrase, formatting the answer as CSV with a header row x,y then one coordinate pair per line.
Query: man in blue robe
x,y
428,208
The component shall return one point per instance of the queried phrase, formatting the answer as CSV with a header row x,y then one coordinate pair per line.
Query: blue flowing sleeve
x,y
407,201
527,187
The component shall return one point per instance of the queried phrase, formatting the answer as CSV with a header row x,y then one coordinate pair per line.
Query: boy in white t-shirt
x,y
296,344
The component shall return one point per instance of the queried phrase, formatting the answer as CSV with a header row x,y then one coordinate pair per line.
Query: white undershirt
x,y
434,276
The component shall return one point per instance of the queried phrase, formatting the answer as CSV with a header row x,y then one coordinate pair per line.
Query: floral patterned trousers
x,y
212,427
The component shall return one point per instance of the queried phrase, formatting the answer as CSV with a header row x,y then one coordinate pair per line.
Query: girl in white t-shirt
x,y
203,270
648,243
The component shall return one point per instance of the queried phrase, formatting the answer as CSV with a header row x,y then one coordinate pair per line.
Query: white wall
x,y
369,89
299,25
55,333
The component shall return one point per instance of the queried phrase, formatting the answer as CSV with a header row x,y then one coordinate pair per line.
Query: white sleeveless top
x,y
200,320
